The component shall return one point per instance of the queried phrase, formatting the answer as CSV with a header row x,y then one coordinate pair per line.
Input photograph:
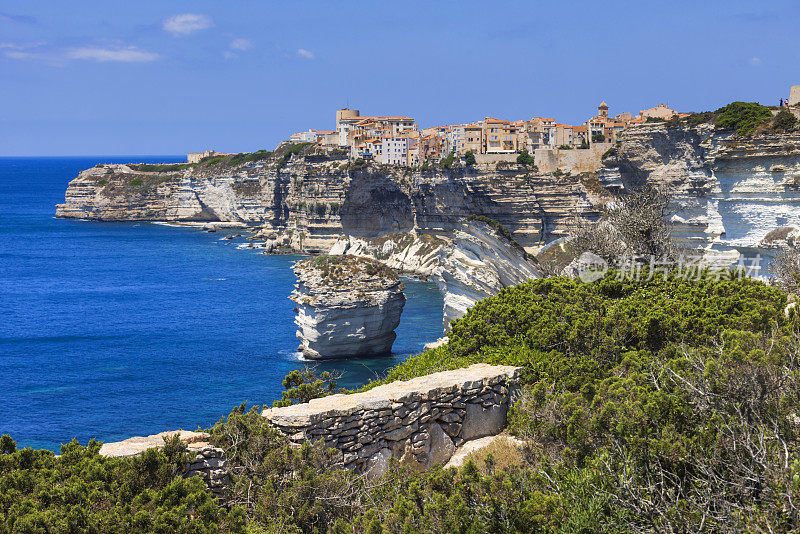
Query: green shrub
x,y
610,153
81,491
743,117
469,158
784,121
447,161
524,158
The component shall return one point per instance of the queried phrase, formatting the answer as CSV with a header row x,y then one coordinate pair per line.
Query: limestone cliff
x,y
402,251
728,190
346,306
478,263
312,200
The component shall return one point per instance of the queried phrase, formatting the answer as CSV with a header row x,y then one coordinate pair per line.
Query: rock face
x,y
478,263
728,191
139,444
313,200
420,422
402,251
731,191
346,306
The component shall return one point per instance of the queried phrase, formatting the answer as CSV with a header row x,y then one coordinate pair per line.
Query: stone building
x,y
794,95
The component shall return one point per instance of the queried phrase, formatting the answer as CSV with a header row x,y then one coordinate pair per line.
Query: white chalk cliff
x,y
403,251
346,306
478,263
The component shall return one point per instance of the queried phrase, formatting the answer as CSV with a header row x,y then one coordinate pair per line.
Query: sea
x,y
113,330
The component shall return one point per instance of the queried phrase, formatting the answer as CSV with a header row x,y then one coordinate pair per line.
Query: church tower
x,y
602,110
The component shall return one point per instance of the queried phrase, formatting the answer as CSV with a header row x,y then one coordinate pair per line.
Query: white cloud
x,y
130,54
187,23
241,44
24,50
305,54
755,61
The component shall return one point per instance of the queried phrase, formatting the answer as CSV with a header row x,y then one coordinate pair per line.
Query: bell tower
x,y
602,110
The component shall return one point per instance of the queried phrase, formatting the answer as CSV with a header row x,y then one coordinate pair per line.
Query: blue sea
x,y
112,330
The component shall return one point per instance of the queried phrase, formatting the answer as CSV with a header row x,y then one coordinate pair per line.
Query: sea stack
x,y
346,306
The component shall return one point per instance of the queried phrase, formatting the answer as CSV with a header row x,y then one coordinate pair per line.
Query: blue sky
x,y
167,77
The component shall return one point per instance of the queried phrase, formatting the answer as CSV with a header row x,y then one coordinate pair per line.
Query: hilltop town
x,y
398,140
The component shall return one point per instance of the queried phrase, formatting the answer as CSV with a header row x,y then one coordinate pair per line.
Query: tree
x,y
447,162
584,144
598,138
636,225
785,269
525,158
469,158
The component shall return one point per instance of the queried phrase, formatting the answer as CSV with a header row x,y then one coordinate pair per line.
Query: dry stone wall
x,y
420,422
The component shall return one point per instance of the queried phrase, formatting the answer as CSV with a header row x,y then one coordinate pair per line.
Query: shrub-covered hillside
x,y
664,406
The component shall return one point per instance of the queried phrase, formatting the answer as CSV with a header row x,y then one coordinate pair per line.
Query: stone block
x,y
378,463
441,446
482,421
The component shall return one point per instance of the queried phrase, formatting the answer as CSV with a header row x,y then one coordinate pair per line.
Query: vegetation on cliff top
x,y
335,269
744,118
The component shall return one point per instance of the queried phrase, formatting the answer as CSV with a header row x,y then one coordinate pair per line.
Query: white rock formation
x,y
478,264
402,251
346,306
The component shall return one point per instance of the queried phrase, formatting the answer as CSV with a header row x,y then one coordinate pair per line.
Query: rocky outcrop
x,y
208,462
346,306
313,200
728,191
402,251
420,422
478,263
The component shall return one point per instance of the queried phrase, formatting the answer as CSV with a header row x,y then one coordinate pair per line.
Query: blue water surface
x,y
110,330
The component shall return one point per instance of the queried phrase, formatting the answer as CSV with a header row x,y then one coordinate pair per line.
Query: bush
x,y
524,158
743,117
784,121
610,153
469,158
564,147
598,138
447,162
81,491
